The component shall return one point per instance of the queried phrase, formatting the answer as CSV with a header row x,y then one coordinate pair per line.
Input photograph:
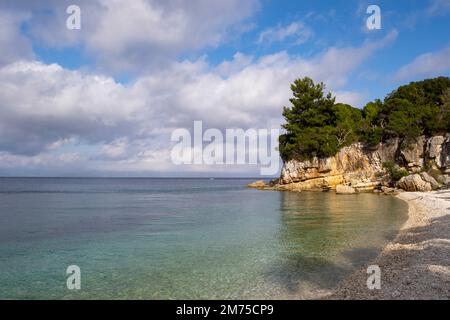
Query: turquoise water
x,y
183,238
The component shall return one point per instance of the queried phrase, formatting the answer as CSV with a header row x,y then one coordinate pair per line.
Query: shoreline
x,y
416,264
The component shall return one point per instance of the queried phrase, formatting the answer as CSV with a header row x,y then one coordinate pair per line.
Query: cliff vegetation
x,y
317,126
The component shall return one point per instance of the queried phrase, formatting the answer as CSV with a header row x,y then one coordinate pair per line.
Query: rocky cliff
x,y
362,167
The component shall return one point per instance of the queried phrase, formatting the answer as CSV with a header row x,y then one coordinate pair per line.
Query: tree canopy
x,y
318,126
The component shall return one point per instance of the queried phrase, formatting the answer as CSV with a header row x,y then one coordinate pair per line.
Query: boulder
x,y
389,191
426,177
444,179
341,189
260,184
413,182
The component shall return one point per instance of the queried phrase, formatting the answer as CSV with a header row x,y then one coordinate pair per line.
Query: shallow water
x,y
183,238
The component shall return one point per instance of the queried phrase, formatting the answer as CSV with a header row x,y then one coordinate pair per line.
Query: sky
x,y
104,100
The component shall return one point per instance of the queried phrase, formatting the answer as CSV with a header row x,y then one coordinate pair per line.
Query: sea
x,y
154,238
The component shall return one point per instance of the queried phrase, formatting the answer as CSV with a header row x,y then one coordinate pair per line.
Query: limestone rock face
x,y
434,149
413,155
351,164
361,166
413,182
356,165
445,155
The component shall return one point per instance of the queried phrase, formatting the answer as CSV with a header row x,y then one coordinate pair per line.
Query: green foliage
x,y
395,172
348,121
443,115
412,110
317,126
372,125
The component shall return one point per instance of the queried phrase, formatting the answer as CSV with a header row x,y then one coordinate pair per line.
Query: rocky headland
x,y
415,265
389,147
389,167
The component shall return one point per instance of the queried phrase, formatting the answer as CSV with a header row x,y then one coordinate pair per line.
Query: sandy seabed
x,y
416,264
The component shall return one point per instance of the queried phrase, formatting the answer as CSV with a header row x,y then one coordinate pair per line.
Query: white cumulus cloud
x,y
426,65
54,117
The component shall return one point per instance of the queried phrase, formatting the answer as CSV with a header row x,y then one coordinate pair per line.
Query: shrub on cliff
x,y
394,171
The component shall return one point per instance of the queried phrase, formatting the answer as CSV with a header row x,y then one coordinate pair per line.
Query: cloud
x,y
13,45
351,98
438,7
296,31
47,23
139,35
116,149
98,124
42,104
426,65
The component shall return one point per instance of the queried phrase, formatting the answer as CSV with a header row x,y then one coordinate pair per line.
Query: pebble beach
x,y
416,264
